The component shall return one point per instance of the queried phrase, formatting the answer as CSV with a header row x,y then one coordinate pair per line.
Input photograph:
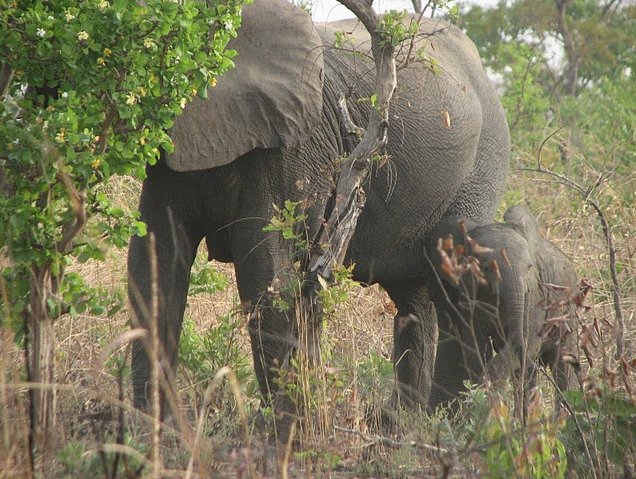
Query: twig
x,y
71,229
573,415
524,83
128,407
111,115
235,387
284,462
121,428
392,443
543,143
154,358
607,233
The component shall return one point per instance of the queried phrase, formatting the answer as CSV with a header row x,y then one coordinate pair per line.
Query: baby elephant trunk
x,y
512,328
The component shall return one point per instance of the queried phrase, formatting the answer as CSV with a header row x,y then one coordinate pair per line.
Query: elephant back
x,y
556,269
441,48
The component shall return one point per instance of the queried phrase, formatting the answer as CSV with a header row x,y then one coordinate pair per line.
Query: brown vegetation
x,y
98,430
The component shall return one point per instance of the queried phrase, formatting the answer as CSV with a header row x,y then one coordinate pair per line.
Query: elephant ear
x,y
524,220
271,99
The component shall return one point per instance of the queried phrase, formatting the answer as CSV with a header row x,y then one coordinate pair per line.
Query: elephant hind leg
x,y
414,343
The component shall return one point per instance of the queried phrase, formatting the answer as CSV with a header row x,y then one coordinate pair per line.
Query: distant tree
x,y
569,63
597,38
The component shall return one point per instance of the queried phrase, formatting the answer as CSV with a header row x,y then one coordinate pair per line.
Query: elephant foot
x,y
386,419
408,397
285,418
168,405
277,422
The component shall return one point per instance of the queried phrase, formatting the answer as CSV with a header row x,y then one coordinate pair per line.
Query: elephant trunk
x,y
515,317
519,343
510,331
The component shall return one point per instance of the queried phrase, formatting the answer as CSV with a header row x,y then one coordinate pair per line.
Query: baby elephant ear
x,y
523,218
271,99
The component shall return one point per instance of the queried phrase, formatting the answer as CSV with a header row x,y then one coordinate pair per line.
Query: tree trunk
x,y
6,74
571,75
42,367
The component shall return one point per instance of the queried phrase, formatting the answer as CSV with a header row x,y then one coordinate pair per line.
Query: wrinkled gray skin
x,y
270,132
507,314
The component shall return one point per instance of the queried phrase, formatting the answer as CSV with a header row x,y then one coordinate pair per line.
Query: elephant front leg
x,y
273,342
283,324
174,252
267,284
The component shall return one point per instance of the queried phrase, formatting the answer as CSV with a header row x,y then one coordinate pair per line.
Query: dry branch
x,y
376,440
73,228
607,233
6,74
155,367
349,197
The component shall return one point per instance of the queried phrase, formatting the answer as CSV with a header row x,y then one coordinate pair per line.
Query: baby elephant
x,y
502,289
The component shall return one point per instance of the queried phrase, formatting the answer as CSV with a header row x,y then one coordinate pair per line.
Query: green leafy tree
x,y
564,63
87,91
595,37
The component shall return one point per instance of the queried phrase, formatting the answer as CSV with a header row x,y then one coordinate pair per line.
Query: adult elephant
x,y
503,289
270,131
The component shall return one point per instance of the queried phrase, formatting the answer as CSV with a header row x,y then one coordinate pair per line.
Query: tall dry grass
x,y
101,435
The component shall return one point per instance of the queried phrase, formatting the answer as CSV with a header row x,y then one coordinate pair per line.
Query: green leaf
x,y
96,58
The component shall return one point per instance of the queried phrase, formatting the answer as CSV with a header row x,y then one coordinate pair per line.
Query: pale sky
x,y
328,10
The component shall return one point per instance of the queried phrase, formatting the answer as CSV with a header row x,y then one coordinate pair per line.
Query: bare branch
x,y
349,126
608,6
607,233
524,83
71,229
391,443
349,197
6,75
111,116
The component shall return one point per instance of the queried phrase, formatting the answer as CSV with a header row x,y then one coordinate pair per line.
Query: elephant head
x,y
490,269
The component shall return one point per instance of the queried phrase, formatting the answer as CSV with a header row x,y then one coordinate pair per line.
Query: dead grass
x,y
335,439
